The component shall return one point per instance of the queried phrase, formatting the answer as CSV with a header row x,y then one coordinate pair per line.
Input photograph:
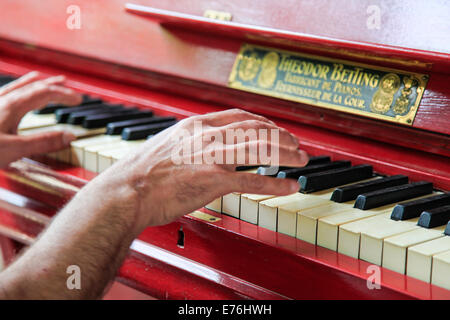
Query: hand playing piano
x,y
95,230
164,190
21,96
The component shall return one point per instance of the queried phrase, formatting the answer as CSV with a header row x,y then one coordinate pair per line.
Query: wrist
x,y
112,199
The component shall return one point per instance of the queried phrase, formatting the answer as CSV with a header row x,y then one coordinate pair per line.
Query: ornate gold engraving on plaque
x,y
249,67
269,70
382,100
401,106
371,91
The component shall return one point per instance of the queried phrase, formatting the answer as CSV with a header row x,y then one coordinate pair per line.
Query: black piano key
x,y
244,168
435,217
273,171
343,194
413,209
102,120
5,79
270,171
295,173
142,132
52,107
318,160
447,229
79,116
63,114
117,127
333,178
87,99
393,194
48,109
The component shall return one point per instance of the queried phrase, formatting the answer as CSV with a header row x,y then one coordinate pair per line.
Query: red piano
x,y
361,83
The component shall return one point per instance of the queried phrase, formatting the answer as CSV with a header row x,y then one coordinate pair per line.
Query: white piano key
x,y
77,147
268,210
440,274
395,247
287,213
78,131
106,157
231,204
420,257
372,238
307,219
310,200
91,152
33,121
64,155
249,206
349,239
123,152
349,236
215,205
328,227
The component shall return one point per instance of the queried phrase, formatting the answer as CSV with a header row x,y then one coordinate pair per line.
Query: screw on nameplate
x,y
218,15
204,216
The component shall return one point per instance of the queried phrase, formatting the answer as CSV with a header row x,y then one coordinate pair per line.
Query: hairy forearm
x,y
93,232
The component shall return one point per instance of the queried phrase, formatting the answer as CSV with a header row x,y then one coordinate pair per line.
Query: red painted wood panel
x,y
19,61
251,262
198,59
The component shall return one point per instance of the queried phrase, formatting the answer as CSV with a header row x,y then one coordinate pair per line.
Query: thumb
x,y
41,143
258,184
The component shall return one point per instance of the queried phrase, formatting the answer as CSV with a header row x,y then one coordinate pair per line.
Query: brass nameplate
x,y
370,91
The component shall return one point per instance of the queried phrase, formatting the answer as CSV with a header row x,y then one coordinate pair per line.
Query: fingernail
x,y
67,138
304,158
294,187
31,74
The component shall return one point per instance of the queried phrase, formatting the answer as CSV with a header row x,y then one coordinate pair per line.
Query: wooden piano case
x,y
165,55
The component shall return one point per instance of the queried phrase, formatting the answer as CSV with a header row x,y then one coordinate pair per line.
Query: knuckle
x,y
39,88
186,122
250,182
237,111
255,123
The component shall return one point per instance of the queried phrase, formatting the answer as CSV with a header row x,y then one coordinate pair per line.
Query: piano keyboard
x,y
105,132
386,221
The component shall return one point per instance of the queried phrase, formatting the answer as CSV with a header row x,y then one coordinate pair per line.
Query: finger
x,y
257,184
19,83
229,116
258,130
54,80
258,153
23,146
39,95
